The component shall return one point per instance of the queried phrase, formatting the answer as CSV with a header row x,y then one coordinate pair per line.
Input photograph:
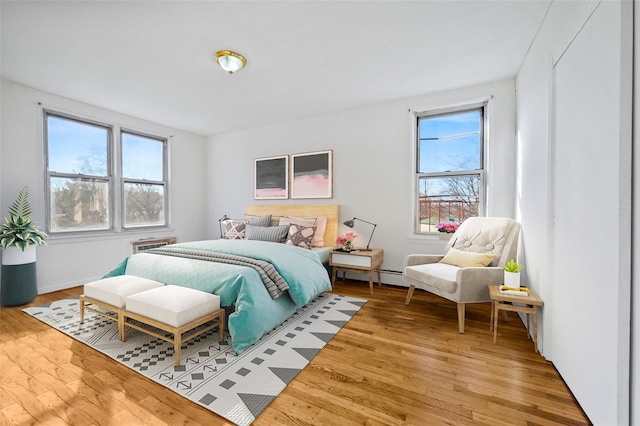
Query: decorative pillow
x,y
259,220
321,225
235,230
466,259
274,234
300,235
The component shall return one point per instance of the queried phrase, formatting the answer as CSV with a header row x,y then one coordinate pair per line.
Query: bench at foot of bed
x,y
110,294
176,310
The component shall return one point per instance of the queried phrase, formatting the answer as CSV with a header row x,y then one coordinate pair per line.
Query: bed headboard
x,y
332,211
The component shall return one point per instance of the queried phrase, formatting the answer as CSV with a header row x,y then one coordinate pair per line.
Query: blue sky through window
x,y
142,157
76,147
450,142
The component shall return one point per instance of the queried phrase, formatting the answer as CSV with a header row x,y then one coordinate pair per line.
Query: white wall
x,y
373,170
72,261
585,321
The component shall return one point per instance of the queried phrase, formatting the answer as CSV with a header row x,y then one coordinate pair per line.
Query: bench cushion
x,y
114,290
173,305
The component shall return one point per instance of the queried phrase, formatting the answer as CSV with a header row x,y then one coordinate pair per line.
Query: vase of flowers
x,y
447,228
346,239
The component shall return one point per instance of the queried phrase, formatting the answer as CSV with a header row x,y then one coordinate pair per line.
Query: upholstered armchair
x,y
473,259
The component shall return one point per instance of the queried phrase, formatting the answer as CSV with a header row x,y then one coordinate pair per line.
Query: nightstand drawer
x,y
347,259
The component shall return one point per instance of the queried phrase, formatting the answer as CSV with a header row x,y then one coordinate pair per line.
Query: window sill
x,y
108,235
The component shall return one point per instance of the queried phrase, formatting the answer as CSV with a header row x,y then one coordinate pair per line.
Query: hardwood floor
x,y
391,364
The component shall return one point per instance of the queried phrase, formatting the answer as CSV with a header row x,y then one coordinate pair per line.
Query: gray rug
x,y
211,374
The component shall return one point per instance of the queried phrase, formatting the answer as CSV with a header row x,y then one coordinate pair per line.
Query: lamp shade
x,y
350,224
230,61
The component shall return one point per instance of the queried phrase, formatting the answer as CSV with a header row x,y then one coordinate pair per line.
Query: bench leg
x,y
122,328
177,343
221,319
81,309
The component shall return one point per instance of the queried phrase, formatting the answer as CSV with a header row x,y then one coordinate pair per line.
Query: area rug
x,y
211,374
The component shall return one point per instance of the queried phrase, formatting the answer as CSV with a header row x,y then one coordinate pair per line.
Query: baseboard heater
x,y
391,271
151,243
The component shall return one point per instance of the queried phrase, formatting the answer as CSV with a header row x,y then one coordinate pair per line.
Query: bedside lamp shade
x,y
351,223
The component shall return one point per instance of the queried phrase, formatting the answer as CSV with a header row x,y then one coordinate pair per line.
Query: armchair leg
x,y
409,294
461,317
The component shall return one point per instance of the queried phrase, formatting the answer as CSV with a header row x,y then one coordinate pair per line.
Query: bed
x,y
244,272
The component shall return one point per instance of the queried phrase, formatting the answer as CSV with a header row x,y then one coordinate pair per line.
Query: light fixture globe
x,y
230,61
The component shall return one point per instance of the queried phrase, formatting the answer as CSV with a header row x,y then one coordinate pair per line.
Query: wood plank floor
x,y
391,364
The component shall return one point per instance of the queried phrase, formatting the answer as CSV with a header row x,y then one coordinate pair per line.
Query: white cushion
x,y
173,305
114,290
440,275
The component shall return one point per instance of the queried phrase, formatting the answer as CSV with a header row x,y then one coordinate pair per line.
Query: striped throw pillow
x,y
274,234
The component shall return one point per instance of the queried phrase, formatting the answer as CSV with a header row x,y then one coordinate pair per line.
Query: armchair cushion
x,y
465,259
438,275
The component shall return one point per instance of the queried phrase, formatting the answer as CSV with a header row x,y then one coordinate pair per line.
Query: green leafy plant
x,y
512,266
18,230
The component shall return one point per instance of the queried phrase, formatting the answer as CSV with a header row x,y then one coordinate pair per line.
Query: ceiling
x,y
154,59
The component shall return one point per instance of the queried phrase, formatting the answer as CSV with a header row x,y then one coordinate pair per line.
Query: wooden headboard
x,y
332,211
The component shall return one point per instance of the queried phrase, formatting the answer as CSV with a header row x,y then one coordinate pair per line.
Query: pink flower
x,y
449,227
347,237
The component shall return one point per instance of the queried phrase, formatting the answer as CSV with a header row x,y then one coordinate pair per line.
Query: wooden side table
x,y
508,302
360,261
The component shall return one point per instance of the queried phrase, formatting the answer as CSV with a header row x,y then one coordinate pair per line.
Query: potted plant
x,y
512,274
18,238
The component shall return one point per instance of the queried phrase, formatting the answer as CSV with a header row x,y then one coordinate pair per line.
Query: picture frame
x,y
271,178
312,175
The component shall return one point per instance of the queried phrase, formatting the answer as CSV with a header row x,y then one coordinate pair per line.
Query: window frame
x,y
116,181
483,106
164,182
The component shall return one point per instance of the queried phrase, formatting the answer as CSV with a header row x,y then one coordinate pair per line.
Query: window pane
x,y
142,157
76,147
450,142
445,198
144,204
79,204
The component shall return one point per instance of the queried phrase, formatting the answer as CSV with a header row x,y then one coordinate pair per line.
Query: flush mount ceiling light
x,y
230,61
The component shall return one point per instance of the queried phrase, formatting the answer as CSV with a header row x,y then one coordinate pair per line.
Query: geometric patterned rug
x,y
211,374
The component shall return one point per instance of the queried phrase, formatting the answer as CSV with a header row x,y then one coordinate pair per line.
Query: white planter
x,y
512,279
14,256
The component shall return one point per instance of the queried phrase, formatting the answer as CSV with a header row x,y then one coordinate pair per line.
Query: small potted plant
x,y
512,274
18,238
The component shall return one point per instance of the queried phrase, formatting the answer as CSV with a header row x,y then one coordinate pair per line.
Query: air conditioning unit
x,y
151,243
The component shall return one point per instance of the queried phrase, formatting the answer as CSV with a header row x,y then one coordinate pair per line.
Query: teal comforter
x,y
255,311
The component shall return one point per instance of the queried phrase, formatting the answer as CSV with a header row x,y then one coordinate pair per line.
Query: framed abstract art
x,y
312,175
271,178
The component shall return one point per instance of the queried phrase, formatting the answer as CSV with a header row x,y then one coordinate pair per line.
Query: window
x,y
84,190
449,166
143,177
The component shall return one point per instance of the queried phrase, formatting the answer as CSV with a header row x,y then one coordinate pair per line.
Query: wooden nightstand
x,y
359,261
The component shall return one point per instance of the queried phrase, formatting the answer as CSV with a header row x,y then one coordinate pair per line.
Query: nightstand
x,y
360,261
